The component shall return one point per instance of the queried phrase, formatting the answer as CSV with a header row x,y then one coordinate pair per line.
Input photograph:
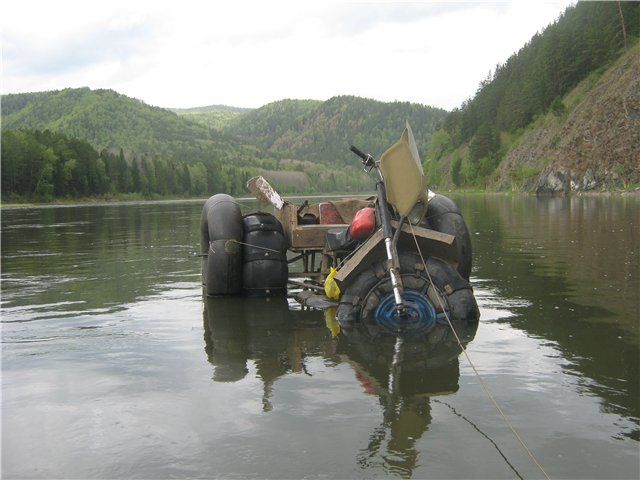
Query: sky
x,y
248,53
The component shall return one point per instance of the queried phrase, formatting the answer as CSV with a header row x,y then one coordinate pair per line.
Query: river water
x,y
114,367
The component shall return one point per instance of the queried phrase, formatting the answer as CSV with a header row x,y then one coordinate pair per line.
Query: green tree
x,y
135,175
198,179
456,165
484,143
44,186
440,144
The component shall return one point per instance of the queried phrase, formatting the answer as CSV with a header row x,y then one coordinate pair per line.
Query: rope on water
x,y
455,412
482,382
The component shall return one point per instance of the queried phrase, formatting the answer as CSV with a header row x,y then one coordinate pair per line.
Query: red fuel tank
x,y
363,223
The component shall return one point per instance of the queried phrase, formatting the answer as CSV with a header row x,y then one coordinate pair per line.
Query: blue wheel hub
x,y
420,310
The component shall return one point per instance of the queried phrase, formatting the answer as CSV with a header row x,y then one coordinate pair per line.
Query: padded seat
x,y
339,239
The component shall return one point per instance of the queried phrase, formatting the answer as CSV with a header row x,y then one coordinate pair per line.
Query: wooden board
x,y
311,236
431,243
303,237
313,300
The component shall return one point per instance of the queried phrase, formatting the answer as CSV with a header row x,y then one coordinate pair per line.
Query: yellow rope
x,y
482,382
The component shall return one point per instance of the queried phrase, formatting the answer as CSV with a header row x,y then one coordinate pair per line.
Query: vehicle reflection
x,y
262,330
403,375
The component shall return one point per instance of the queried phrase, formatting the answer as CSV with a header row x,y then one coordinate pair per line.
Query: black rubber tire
x,y
220,232
264,245
444,216
265,270
360,300
265,278
261,222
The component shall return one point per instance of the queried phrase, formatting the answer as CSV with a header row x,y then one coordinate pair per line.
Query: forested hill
x,y
592,142
82,143
294,129
265,125
212,116
536,81
105,119
323,131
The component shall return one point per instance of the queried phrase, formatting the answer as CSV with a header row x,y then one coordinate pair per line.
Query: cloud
x,y
249,53
81,50
360,17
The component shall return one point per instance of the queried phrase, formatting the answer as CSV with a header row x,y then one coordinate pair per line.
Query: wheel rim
x,y
420,310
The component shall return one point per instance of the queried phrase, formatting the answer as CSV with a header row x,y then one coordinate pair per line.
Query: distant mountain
x,y
210,108
212,116
49,138
109,120
48,142
104,118
265,125
323,131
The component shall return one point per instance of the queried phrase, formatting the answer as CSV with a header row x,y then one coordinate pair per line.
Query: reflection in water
x,y
576,263
262,330
99,257
403,375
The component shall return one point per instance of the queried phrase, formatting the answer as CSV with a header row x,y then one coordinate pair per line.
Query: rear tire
x,y
444,216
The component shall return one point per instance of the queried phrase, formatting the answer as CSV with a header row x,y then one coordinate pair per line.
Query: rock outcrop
x,y
594,145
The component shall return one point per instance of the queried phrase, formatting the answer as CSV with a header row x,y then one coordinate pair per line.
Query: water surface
x,y
114,367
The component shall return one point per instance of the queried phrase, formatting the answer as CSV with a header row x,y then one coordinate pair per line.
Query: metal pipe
x,y
396,236
392,253
396,279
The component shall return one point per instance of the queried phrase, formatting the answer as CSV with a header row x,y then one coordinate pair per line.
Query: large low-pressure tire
x,y
444,216
220,236
265,270
368,301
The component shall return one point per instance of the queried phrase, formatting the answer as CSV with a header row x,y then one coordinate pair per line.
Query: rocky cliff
x,y
589,142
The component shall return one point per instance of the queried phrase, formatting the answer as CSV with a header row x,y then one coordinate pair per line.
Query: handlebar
x,y
367,160
358,152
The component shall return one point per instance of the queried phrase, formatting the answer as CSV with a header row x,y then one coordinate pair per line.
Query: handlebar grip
x,y
355,150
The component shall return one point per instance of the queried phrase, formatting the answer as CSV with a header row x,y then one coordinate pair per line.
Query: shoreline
x,y
101,202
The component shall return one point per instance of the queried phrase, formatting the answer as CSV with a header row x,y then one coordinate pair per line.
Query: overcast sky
x,y
246,54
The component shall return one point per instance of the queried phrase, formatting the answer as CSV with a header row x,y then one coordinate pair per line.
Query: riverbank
x,y
136,200
101,201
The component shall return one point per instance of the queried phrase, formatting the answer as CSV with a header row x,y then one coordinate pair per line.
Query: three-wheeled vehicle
x,y
400,260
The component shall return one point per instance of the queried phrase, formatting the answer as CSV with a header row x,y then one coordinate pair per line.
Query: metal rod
x,y
383,210
294,259
396,236
392,253
317,288
305,274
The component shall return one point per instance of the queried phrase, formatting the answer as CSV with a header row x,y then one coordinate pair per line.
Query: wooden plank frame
x,y
431,242
303,237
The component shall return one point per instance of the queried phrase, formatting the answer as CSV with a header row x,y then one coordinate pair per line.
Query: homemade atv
x,y
400,260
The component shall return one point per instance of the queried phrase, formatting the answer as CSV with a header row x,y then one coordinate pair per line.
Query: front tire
x,y
368,301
